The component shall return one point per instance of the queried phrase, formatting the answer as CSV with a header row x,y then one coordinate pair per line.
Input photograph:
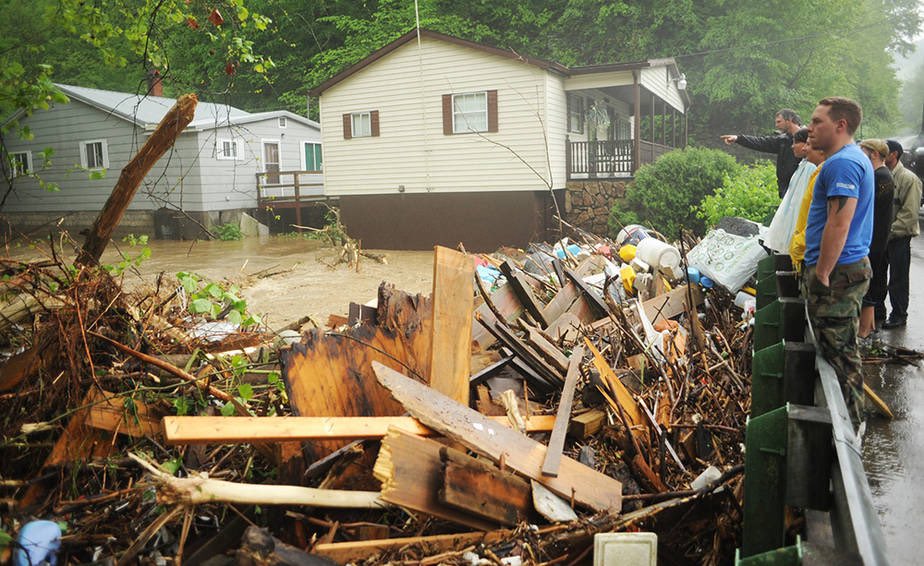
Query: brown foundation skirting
x,y
481,221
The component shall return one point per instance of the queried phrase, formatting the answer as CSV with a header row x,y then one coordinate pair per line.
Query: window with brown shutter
x,y
470,112
374,119
347,126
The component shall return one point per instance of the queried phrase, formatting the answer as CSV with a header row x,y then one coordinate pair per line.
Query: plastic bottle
x,y
631,234
658,254
627,274
706,283
627,253
693,275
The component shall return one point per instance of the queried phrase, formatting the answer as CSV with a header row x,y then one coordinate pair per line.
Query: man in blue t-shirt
x,y
837,239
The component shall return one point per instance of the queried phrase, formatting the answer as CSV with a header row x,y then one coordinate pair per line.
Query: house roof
x,y
147,111
510,54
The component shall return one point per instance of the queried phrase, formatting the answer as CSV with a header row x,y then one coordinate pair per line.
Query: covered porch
x,y
623,116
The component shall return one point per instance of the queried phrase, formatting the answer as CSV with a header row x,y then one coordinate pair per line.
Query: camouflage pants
x,y
834,312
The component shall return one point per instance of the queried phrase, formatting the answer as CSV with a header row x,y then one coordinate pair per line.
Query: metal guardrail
x,y
801,448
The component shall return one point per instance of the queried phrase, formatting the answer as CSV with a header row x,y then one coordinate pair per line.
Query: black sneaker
x,y
895,323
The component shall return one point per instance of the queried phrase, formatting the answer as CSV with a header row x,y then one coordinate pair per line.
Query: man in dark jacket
x,y
787,123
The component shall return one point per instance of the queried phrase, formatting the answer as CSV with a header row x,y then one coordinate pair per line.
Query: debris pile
x,y
534,400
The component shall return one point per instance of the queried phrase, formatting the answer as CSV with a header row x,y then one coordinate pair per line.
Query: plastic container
x,y
627,253
693,275
706,283
640,266
627,275
631,235
658,254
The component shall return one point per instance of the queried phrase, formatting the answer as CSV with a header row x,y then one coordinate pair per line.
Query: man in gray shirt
x,y
787,123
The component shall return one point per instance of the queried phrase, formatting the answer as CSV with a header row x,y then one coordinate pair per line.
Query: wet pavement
x,y
893,451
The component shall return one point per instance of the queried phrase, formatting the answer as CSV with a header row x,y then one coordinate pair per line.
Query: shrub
x,y
229,232
665,193
751,194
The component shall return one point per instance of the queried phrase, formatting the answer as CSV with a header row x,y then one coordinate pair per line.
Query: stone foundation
x,y
588,202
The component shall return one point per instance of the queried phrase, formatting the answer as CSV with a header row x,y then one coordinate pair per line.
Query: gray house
x,y
226,162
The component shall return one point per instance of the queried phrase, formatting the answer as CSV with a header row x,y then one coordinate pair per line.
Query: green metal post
x,y
764,483
767,329
767,367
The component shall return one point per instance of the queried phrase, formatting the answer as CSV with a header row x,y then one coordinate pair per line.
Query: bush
x,y
751,194
665,193
229,232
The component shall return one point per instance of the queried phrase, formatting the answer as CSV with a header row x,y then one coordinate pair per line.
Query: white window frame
x,y
581,115
283,122
353,131
220,149
84,162
305,161
14,170
263,143
463,126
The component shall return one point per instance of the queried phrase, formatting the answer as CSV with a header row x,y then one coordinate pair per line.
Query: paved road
x,y
893,452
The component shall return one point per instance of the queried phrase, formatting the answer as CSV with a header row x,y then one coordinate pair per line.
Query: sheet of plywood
x,y
330,374
453,299
575,481
411,471
671,304
224,430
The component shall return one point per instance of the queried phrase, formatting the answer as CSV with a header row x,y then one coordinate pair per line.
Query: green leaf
x,y
181,404
201,306
234,317
245,391
227,409
172,466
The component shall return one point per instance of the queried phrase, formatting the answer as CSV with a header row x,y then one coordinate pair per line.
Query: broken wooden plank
x,y
546,349
671,303
477,487
563,302
490,371
112,413
453,298
586,424
527,354
623,397
524,292
410,470
506,303
225,430
551,506
329,373
575,481
593,299
557,441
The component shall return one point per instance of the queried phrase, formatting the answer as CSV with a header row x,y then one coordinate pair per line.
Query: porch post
x,y
651,148
637,123
567,158
663,122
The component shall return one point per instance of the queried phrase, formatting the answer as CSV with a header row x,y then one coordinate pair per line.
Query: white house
x,y
225,162
435,139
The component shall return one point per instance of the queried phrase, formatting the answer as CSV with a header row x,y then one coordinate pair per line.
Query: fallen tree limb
x,y
197,490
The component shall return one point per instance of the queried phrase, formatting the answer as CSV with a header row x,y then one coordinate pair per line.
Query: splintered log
x,y
225,430
482,489
330,373
410,470
453,298
522,454
170,127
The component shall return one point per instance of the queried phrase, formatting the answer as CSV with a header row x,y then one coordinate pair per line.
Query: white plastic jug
x,y
658,254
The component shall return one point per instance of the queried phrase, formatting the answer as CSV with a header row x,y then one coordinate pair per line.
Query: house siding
x,y
657,81
556,119
406,88
62,128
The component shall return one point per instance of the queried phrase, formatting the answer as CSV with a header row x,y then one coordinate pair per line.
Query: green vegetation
x,y
228,232
139,244
215,300
666,192
751,193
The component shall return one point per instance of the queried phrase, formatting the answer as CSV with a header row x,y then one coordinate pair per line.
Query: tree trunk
x,y
160,141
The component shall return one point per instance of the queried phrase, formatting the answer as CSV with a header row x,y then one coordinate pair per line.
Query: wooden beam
x,y
557,441
225,430
524,292
586,424
480,488
411,471
575,482
453,298
109,412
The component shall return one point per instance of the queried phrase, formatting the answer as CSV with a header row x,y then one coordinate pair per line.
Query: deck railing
x,y
609,158
290,189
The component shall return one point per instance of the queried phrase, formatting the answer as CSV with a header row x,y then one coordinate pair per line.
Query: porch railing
x,y
600,158
285,189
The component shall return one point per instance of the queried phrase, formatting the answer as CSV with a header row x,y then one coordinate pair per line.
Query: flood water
x,y
893,451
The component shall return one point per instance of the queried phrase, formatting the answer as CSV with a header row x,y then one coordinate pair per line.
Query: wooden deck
x,y
290,190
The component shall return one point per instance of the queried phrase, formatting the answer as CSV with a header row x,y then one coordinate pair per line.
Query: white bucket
x,y
658,254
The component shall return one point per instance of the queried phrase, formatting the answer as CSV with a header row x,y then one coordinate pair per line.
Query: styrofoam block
x,y
626,549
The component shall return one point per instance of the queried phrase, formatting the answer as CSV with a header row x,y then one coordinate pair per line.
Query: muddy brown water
x,y
282,278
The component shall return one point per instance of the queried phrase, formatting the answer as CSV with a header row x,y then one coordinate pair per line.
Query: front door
x,y
271,162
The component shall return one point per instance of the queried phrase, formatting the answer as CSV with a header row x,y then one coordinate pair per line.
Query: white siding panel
x,y
406,87
657,80
598,80
557,120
